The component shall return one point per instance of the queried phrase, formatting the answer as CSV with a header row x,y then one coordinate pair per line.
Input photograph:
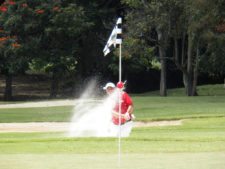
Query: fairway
x,y
197,142
109,161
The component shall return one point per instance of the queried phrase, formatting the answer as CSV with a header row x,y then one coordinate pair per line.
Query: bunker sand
x,y
64,126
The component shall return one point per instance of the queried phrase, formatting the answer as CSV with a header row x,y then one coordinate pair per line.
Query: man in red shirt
x,y
126,115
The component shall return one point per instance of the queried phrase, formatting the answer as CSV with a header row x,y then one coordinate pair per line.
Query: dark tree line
x,y
64,39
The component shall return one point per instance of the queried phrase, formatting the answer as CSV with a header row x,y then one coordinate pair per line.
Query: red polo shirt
x,y
126,101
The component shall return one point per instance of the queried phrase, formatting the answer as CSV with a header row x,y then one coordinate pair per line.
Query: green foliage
x,y
12,57
138,52
132,3
212,61
143,20
202,19
59,36
156,64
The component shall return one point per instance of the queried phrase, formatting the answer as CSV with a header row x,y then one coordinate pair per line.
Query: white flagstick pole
x,y
120,94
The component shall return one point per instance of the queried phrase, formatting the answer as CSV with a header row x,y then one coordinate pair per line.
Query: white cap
x,y
109,84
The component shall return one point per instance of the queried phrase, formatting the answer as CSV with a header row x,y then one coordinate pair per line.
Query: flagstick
x,y
120,77
112,42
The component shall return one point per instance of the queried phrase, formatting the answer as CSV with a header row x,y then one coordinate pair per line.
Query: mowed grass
x,y
178,107
210,103
110,161
147,108
195,135
195,144
204,90
40,114
198,143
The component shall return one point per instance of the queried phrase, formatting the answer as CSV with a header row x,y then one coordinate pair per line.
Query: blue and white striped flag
x,y
115,38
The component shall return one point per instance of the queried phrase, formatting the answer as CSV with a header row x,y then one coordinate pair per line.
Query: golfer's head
x,y
109,87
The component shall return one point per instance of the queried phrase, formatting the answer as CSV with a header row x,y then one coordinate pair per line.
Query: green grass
x,y
195,135
110,161
42,114
146,109
195,144
198,143
158,108
204,90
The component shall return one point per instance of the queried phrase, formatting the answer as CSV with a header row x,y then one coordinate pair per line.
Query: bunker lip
x,y
64,126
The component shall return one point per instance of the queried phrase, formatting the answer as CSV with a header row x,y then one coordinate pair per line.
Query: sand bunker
x,y
61,126
64,126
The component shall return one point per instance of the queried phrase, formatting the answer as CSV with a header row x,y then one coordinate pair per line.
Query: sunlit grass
x,y
194,135
146,109
198,143
204,90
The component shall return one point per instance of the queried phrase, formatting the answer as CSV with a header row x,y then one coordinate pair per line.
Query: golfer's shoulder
x,y
125,94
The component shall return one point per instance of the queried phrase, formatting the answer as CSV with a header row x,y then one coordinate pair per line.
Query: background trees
x,y
64,39
182,31
13,55
60,38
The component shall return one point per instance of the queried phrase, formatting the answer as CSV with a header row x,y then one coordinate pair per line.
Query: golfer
x,y
126,116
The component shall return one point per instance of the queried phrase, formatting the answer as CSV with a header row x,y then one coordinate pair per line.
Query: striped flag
x,y
115,38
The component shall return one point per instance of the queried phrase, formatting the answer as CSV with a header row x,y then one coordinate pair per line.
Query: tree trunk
x,y
183,60
54,85
8,87
163,87
183,49
190,66
195,79
180,63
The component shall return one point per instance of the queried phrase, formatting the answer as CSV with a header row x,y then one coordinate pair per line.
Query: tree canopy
x,y
64,39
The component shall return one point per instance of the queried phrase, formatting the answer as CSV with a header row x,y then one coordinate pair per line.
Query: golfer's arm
x,y
130,109
116,114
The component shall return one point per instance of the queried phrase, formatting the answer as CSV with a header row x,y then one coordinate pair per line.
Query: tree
x,y
193,23
186,23
146,17
60,28
212,61
91,61
12,55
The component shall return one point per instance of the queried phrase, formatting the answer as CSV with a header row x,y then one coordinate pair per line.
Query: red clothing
x,y
126,101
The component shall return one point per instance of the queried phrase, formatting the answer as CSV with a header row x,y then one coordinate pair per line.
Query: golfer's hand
x,y
132,117
127,116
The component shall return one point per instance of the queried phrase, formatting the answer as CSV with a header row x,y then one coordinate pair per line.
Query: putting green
x,y
110,161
